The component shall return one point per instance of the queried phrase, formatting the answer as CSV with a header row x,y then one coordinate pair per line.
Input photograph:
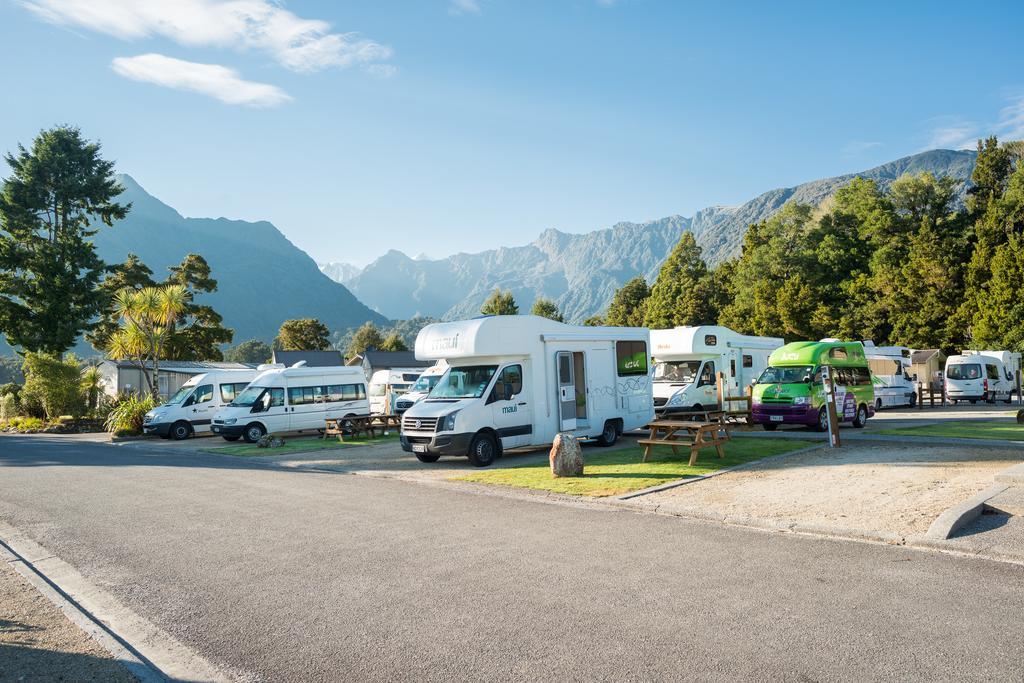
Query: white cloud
x,y
858,147
213,80
1011,119
297,44
951,132
464,6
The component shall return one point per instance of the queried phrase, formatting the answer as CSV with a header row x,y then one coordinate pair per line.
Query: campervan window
x,y
180,395
469,381
837,353
377,389
425,383
707,375
272,397
229,391
748,361
965,371
510,383
710,340
992,372
631,358
793,374
203,394
344,392
683,371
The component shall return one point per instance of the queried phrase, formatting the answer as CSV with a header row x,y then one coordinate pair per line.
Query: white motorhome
x,y
518,380
293,399
982,376
190,410
387,385
687,360
421,387
890,374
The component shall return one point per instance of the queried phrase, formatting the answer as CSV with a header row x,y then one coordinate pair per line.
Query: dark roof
x,y
314,359
385,360
923,355
186,366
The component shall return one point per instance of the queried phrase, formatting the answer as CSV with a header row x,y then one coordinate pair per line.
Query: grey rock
x,y
566,456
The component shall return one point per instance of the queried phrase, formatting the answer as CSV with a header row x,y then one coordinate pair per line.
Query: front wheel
x,y
254,432
180,430
822,425
610,434
483,450
862,416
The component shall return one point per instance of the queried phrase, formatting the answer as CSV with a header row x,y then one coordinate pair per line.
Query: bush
x,y
26,424
126,413
54,384
8,407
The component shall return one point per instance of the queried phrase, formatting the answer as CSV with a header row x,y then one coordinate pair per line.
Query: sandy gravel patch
x,y
883,487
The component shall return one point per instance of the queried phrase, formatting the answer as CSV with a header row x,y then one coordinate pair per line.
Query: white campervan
x,y
293,399
687,360
191,408
387,385
889,366
982,376
518,380
421,387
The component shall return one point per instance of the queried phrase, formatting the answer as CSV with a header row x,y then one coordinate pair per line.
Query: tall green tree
x,y
302,334
393,342
56,197
500,303
147,319
368,336
628,305
546,308
683,293
250,351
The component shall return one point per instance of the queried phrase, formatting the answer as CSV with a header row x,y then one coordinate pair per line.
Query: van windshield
x,y
180,395
248,397
788,374
469,381
684,371
425,383
965,371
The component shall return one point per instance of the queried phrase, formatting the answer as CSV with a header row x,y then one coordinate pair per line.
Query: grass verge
x,y
966,429
613,473
300,444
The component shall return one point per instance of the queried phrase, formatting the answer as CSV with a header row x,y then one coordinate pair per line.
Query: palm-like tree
x,y
147,319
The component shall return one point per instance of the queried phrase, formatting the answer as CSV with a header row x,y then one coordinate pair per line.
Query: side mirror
x,y
189,401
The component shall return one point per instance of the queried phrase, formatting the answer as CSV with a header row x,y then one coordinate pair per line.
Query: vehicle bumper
x,y
227,430
966,396
802,415
160,429
438,444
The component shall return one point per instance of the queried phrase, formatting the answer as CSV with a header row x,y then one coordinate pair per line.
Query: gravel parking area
x,y
38,643
879,487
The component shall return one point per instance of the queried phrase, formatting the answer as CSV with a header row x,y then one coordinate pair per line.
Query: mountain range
x,y
581,272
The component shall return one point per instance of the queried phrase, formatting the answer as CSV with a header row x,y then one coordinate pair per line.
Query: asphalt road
x,y
287,575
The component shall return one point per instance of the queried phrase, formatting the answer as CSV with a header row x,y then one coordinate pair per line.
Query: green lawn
x,y
1007,430
299,444
613,473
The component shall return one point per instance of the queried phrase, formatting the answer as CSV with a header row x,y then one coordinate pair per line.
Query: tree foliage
x,y
500,303
546,308
629,304
254,351
55,384
393,342
302,334
684,291
54,201
366,337
147,323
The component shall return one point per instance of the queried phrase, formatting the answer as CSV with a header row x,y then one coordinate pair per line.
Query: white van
x,y
421,387
687,360
293,399
387,385
518,380
889,366
191,408
982,376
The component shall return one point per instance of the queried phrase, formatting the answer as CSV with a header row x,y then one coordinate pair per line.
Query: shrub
x,y
54,384
126,413
8,407
26,424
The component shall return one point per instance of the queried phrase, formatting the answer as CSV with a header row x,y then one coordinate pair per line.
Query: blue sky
x,y
441,126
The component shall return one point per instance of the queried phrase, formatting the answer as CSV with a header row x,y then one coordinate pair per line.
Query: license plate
x,y
775,418
419,448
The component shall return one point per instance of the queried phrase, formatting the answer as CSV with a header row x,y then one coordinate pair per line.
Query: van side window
x,y
837,353
276,397
710,340
707,375
748,361
352,392
992,372
510,383
203,394
229,391
631,358
863,377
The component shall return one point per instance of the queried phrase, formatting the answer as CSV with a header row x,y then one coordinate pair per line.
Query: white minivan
x,y
387,385
421,387
293,399
190,410
982,376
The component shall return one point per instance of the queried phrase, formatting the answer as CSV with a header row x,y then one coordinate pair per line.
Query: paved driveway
x,y
291,575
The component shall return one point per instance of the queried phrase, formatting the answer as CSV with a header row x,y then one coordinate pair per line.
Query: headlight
x,y
449,421
801,400
676,400
148,417
231,420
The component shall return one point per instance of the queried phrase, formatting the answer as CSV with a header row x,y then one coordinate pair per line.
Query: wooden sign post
x,y
830,406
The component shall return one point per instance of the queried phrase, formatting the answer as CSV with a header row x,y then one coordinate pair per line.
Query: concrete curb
x,y
148,652
1011,475
959,516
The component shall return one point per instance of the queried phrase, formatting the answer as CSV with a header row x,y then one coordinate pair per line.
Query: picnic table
x,y
355,425
694,434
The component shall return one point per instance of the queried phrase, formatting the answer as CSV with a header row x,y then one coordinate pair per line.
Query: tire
x,y
822,425
770,426
180,430
427,457
862,416
253,432
231,438
913,400
974,401
878,404
610,434
697,407
483,450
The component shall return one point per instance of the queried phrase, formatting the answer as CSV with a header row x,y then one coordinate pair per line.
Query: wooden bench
x,y
367,425
686,433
